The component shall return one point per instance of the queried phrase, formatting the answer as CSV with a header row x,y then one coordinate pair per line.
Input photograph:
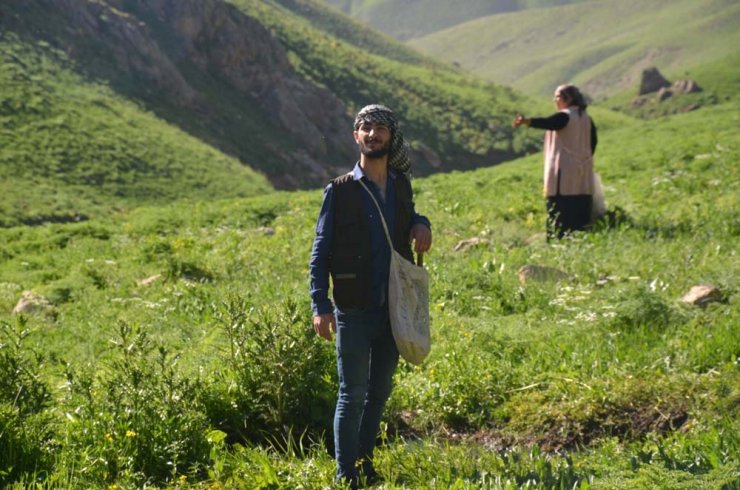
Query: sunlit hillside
x,y
602,46
405,20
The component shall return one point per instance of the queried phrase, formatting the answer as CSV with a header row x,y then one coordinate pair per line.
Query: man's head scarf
x,y
398,155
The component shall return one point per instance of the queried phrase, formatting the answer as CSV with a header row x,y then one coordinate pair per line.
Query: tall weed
x,y
138,420
26,424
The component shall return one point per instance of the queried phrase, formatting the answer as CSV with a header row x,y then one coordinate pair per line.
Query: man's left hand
x,y
421,235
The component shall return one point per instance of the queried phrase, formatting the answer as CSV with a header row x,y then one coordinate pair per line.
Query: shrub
x,y
642,308
278,377
139,421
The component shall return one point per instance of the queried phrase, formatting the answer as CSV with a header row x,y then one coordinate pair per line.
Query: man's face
x,y
374,139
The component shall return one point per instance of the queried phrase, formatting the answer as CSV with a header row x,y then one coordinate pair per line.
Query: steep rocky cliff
x,y
208,68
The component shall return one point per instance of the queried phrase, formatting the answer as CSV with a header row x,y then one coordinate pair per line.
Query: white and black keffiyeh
x,y
398,155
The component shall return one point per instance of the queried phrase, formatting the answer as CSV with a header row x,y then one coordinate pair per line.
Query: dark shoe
x,y
372,480
368,476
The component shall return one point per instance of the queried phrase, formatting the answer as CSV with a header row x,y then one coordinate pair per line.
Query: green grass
x,y
536,50
602,381
343,27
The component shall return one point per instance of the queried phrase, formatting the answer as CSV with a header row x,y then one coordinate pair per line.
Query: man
x,y
352,247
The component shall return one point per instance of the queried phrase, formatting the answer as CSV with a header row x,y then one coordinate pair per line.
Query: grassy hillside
x,y
404,19
332,67
73,149
205,67
363,36
460,121
173,332
601,46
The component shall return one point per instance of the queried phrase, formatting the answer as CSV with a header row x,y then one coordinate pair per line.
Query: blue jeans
x,y
366,360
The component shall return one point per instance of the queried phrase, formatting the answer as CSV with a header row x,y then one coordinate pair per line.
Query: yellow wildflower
x,y
130,434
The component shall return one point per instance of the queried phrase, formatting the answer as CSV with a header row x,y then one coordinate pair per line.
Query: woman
x,y
570,142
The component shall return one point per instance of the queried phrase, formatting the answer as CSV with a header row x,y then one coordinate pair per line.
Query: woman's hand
x,y
519,120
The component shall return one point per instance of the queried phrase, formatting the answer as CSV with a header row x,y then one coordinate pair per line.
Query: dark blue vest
x,y
350,261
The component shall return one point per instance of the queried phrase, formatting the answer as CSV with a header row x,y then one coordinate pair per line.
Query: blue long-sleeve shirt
x,y
379,248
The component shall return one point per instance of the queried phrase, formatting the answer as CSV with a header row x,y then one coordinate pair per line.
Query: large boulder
x,y
652,81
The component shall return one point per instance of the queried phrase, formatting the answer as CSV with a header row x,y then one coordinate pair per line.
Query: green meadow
x,y
175,349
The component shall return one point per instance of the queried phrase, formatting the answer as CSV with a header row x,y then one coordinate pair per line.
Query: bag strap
x,y
420,256
380,211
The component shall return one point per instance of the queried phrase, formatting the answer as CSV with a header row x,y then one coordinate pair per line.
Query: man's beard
x,y
373,154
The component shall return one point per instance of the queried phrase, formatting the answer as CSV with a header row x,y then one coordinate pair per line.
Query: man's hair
x,y
398,155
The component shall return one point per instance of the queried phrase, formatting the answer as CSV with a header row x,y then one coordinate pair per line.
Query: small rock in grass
x,y
464,245
540,273
702,295
32,303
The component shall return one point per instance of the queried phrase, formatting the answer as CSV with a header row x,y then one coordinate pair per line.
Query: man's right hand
x,y
324,325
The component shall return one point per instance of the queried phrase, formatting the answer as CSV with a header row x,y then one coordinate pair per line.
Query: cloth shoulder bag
x,y
408,301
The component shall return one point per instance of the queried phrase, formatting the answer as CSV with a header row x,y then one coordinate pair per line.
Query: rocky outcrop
x,y
686,87
652,81
222,41
656,88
